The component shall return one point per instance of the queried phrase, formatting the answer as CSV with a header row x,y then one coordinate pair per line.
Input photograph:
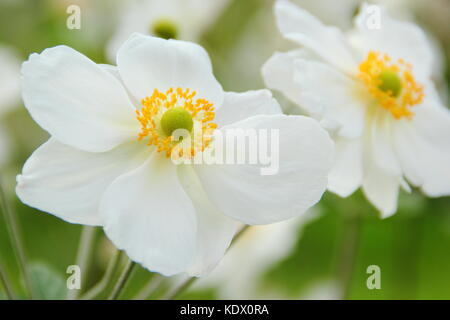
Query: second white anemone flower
x,y
107,161
168,19
372,89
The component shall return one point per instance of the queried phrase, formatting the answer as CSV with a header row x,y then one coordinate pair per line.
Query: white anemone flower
x,y
107,163
168,19
371,88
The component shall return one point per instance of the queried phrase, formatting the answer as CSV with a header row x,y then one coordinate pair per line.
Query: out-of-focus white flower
x,y
107,162
240,271
9,95
9,80
168,19
372,90
434,16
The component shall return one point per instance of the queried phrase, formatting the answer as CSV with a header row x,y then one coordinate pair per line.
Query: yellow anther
x,y
162,113
392,84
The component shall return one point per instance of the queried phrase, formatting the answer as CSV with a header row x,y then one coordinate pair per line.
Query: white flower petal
x,y
328,42
423,146
69,183
147,63
332,95
379,139
240,106
243,193
147,213
347,172
381,189
278,73
113,70
214,230
399,39
77,101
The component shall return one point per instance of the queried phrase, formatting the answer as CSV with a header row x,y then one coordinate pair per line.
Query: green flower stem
x,y
171,295
6,285
150,288
83,257
15,234
122,280
349,252
106,279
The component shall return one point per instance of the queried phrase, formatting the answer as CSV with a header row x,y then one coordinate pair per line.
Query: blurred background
x,y
323,255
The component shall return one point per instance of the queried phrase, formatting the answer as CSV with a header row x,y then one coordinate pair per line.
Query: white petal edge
x,y
328,42
331,95
214,230
381,190
347,171
77,101
423,147
147,63
278,72
69,183
240,106
305,155
147,213
379,138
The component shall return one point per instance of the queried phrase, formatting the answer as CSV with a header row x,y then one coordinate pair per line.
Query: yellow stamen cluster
x,y
404,95
153,109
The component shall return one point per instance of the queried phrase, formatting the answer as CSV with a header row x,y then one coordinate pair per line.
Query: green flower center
x,y
176,118
165,29
390,82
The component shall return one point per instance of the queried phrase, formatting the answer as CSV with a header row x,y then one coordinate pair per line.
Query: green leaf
x,y
49,284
